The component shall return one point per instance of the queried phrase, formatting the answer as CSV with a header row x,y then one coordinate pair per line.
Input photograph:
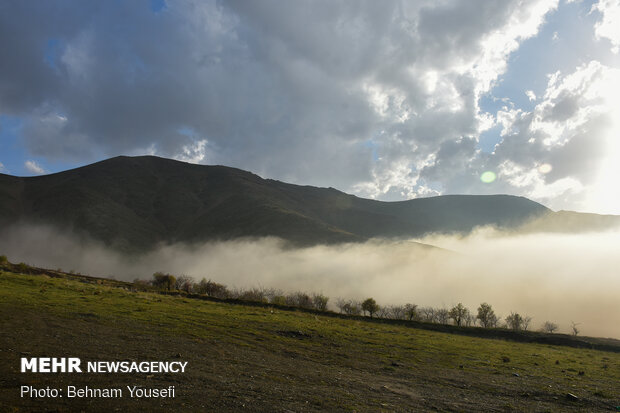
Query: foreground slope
x,y
137,202
247,358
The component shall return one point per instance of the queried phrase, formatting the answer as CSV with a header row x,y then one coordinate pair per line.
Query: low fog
x,y
549,277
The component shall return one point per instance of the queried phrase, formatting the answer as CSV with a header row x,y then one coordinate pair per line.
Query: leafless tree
x,y
428,314
319,302
411,312
517,322
549,327
184,283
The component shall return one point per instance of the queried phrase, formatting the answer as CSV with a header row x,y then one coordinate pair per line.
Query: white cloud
x,y
573,132
2,168
34,168
609,25
530,95
382,99
195,152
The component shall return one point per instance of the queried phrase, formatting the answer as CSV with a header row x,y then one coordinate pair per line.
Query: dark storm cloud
x,y
328,93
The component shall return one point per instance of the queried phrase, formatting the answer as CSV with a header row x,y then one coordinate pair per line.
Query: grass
x,y
355,365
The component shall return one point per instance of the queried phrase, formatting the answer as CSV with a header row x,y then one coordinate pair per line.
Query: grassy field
x,y
245,358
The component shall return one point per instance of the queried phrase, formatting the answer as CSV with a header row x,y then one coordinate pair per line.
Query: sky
x,y
388,100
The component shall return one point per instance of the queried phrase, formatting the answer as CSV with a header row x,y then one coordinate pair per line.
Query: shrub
x,y
255,294
348,307
278,300
184,283
165,281
549,327
141,283
319,301
4,259
299,299
212,289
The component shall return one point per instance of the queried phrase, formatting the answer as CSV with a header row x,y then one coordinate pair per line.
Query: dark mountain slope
x,y
136,202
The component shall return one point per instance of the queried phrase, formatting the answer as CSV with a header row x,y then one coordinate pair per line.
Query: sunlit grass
x,y
349,343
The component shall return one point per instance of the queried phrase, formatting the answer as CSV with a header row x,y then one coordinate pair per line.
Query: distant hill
x,y
134,203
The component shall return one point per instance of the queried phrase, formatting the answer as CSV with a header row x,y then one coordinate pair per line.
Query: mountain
x,y
134,203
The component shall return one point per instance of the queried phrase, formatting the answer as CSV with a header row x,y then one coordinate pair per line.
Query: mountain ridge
x,y
134,203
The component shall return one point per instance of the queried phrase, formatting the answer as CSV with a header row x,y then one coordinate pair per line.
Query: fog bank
x,y
556,277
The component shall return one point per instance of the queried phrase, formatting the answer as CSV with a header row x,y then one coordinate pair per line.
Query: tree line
x,y
458,315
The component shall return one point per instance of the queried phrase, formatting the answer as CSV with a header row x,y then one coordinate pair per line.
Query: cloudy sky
x,y
390,100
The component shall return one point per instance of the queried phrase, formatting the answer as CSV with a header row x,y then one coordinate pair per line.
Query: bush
x,y
278,300
255,294
184,283
212,289
4,259
141,283
349,307
299,299
165,281
319,301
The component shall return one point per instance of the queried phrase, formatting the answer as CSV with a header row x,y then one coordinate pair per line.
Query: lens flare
x,y
545,168
487,177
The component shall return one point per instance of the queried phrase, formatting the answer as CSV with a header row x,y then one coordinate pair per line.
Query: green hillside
x,y
251,358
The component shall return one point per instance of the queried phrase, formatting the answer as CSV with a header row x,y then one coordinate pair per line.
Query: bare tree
x,y
319,302
442,315
397,312
470,320
411,311
253,294
299,299
428,314
515,321
348,307
341,304
384,312
574,328
271,293
184,283
353,308
549,327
